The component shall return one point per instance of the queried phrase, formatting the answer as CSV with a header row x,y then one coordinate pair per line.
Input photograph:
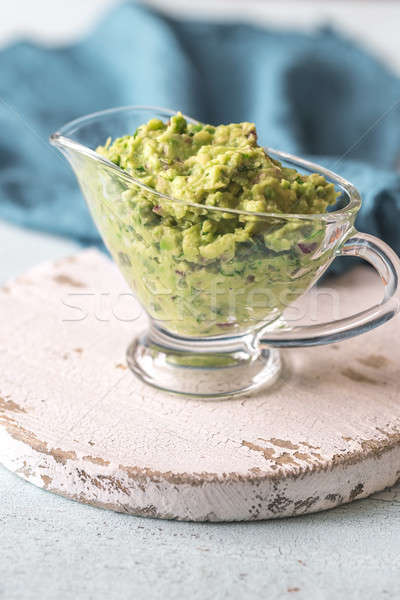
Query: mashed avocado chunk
x,y
202,270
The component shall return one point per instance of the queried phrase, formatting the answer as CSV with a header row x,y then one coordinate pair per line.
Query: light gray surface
x,y
21,249
55,549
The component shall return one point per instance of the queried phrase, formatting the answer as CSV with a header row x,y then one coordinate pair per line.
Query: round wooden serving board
x,y
75,421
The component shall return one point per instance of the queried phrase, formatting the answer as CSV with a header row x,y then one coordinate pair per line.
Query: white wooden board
x,y
75,421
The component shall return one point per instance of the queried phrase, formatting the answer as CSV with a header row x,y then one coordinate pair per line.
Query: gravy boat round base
x,y
211,369
215,319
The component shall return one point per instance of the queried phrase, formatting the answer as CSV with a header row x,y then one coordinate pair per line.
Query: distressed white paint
x,y
73,420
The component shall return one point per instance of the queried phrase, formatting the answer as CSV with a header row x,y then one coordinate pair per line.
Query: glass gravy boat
x,y
215,312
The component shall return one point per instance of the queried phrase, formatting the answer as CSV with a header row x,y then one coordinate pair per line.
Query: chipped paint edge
x,y
115,488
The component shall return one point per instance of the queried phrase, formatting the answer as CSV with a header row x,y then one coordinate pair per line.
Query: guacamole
x,y
209,269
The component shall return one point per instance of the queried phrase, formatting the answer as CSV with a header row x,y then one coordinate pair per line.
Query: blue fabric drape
x,y
311,94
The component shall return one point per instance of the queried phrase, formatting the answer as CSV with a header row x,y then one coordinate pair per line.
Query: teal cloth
x,y
311,94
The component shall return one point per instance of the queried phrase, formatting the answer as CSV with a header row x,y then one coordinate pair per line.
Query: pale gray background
x,y
51,548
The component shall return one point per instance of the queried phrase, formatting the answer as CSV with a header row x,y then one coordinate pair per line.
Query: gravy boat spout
x,y
81,137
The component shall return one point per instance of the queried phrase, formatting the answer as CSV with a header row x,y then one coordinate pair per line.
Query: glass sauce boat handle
x,y
387,265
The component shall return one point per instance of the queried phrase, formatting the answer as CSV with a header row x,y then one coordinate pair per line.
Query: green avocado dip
x,y
207,269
